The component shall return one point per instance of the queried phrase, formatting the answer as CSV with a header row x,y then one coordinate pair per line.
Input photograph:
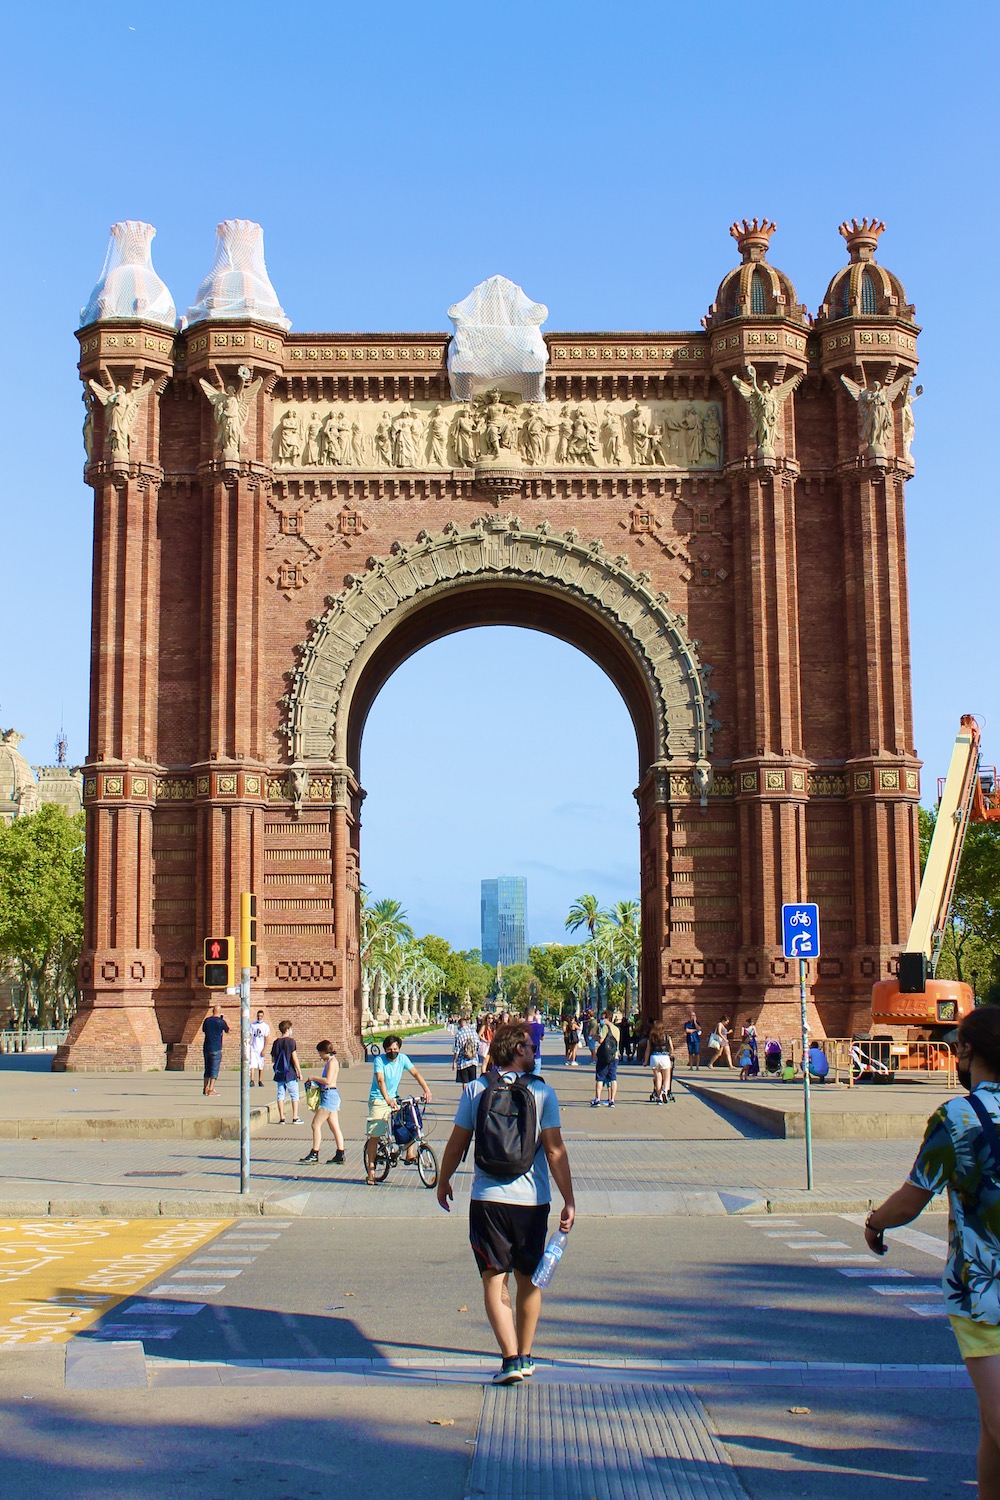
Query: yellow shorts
x,y
976,1340
379,1115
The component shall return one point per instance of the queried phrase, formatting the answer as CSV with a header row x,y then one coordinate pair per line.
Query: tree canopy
x,y
41,913
972,934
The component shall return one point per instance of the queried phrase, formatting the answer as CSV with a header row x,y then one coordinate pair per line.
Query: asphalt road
x,y
727,1289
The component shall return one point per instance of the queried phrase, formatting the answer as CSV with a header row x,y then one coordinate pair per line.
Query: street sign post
x,y
800,939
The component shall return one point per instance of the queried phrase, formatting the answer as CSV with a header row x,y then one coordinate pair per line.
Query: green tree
x,y
620,929
586,911
41,912
556,993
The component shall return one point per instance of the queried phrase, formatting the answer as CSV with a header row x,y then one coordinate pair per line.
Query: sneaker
x,y
296,1122
282,1122
312,1157
338,1160
611,1104
510,1372
595,1103
527,1365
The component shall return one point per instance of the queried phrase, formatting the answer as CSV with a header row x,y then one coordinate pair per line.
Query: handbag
x,y
312,1095
715,1040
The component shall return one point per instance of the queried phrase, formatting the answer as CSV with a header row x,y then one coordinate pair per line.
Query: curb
x,y
150,1128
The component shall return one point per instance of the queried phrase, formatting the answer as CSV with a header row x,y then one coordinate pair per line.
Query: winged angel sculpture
x,y
765,402
875,413
122,408
231,408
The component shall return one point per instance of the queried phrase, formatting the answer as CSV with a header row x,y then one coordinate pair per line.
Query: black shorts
x,y
508,1236
467,1073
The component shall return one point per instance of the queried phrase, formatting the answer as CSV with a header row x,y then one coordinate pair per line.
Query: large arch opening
x,y
498,751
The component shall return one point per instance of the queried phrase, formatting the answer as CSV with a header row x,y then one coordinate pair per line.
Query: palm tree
x,y
586,911
622,927
384,934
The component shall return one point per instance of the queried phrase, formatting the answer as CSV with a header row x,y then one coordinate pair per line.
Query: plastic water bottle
x,y
547,1265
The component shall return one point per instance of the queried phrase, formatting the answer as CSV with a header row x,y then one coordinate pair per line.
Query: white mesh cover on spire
x,y
497,342
128,286
238,285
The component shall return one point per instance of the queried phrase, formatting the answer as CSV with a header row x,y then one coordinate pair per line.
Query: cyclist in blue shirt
x,y
387,1073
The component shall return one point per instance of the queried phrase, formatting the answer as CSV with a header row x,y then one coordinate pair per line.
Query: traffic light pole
x,y
244,1080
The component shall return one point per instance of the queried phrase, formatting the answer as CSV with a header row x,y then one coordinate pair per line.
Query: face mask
x,y
965,1078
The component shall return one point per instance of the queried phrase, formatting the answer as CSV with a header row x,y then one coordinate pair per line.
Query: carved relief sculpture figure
x,y
562,440
341,438
122,408
383,440
495,426
232,408
299,778
908,422
357,443
437,438
534,438
463,438
638,426
327,442
310,444
875,413
405,439
711,436
582,442
765,402
288,438
691,435
611,433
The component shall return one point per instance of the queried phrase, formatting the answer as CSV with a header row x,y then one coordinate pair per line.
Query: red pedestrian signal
x,y
219,954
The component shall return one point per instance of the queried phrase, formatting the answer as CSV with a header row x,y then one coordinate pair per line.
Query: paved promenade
x,y
689,1157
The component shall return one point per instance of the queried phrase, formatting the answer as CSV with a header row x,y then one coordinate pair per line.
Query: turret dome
x,y
18,788
755,289
862,288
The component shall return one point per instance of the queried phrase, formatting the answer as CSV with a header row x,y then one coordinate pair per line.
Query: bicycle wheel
x,y
427,1165
383,1161
372,1050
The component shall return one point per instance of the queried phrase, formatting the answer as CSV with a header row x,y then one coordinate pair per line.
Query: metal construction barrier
x,y
32,1041
875,1058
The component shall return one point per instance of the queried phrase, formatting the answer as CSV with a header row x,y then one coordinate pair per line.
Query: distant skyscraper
x,y
503,925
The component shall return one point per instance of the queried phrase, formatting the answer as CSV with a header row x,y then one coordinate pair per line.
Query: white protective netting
x,y
128,285
497,342
238,285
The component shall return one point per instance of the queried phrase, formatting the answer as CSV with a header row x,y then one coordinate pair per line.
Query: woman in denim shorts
x,y
329,1104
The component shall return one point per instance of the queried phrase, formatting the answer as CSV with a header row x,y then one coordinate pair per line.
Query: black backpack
x,y
506,1127
607,1052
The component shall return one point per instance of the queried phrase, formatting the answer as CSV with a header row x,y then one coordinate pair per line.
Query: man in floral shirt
x,y
961,1151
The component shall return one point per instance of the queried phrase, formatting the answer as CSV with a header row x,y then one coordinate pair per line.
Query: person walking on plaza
x,y
508,1214
465,1050
214,1028
606,1060
692,1035
590,1030
660,1057
536,1030
259,1033
961,1152
329,1105
287,1073
748,1050
387,1073
718,1044
571,1040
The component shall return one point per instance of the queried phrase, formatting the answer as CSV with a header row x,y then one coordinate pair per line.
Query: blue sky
x,y
396,155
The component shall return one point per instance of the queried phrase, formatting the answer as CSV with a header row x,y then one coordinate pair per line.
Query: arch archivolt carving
x,y
495,549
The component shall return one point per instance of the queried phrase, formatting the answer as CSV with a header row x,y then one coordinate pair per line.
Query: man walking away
x,y
609,1040
465,1050
509,1112
287,1073
536,1030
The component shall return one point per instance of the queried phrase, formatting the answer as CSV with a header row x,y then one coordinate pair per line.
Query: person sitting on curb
x,y
788,1071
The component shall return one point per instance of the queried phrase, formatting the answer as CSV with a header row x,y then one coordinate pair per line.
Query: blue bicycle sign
x,y
800,929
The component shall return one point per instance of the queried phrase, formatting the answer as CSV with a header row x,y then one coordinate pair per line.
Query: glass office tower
x,y
503,909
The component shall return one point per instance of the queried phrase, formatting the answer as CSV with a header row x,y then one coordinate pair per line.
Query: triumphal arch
x,y
714,516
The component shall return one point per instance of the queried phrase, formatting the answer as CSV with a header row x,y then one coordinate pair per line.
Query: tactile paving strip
x,y
634,1442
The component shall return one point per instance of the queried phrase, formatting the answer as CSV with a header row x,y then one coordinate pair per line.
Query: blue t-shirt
x,y
214,1028
392,1072
533,1187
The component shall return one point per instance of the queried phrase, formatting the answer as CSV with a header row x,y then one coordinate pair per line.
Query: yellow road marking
x,y
58,1277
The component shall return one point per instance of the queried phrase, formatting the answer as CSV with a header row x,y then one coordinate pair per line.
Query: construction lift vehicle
x,y
931,1008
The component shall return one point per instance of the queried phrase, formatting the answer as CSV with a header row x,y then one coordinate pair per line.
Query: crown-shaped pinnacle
x,y
753,237
863,237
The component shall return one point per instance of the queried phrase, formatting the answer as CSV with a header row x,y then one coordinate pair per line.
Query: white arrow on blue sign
x,y
800,929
